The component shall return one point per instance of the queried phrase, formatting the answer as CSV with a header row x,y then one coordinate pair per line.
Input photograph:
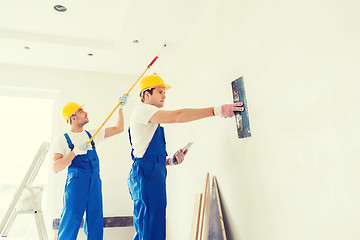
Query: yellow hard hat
x,y
152,81
69,109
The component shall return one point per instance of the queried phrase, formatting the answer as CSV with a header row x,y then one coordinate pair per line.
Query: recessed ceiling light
x,y
60,8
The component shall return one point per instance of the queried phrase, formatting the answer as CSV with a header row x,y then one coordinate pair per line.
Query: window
x,y
26,121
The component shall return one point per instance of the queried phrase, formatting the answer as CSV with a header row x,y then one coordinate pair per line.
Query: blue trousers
x,y
147,186
82,195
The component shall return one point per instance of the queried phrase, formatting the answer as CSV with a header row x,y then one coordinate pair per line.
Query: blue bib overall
x,y
147,187
82,194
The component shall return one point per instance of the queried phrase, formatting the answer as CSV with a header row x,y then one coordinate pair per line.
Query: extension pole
x,y
147,68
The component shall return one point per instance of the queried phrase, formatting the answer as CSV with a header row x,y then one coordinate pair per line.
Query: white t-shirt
x,y
61,146
141,129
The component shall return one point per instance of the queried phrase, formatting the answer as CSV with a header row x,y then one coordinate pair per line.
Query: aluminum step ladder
x,y
28,198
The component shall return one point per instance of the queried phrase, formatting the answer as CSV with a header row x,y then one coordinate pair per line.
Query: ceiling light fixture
x,y
135,41
27,48
90,54
60,8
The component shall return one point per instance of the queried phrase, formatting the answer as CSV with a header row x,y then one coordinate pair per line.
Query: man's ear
x,y
73,117
147,94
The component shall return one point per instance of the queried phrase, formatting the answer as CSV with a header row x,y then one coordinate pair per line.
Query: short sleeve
x,y
144,113
60,145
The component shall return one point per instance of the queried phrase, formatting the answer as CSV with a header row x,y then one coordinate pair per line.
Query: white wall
x,y
296,177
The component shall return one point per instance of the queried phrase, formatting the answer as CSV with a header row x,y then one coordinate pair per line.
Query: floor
x,y
24,226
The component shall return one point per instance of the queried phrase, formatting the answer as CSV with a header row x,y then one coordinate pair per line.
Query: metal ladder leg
x,y
10,222
42,225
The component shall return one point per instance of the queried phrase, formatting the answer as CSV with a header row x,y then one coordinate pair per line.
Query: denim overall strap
x,y
92,141
70,144
132,149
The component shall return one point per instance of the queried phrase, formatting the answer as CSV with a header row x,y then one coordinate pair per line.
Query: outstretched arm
x,y
192,114
181,115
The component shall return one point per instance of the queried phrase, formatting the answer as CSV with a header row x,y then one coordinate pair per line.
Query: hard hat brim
x,y
166,86
81,106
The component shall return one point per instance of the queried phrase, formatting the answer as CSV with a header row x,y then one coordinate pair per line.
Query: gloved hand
x,y
123,100
227,110
177,158
81,149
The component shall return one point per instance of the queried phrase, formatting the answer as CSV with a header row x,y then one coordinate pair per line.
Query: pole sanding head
x,y
241,118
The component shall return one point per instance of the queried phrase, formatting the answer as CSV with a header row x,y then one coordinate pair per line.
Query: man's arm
x,y
60,162
181,115
118,128
192,114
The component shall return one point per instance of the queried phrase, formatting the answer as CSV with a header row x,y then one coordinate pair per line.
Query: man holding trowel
x,y
83,184
147,178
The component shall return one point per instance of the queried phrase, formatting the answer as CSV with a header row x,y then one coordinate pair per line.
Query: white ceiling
x,y
33,33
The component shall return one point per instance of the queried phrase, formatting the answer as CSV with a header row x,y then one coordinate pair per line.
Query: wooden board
x,y
216,220
242,118
196,217
207,210
204,221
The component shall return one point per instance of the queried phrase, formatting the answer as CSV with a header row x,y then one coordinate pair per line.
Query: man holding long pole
x,y
82,192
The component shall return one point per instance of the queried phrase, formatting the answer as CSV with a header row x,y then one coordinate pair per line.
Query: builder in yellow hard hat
x,y
147,178
83,185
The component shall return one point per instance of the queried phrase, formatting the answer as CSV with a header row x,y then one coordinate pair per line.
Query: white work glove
x,y
123,100
227,110
81,149
177,158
